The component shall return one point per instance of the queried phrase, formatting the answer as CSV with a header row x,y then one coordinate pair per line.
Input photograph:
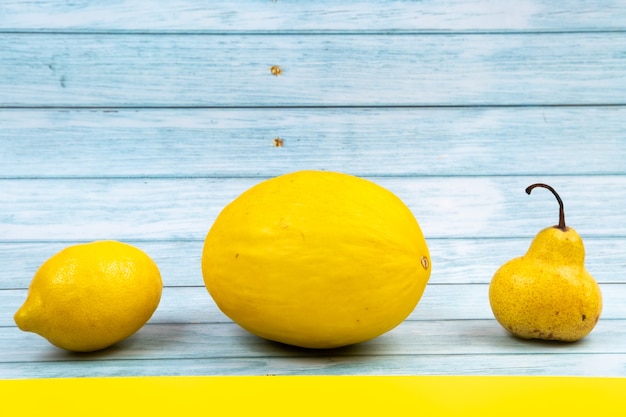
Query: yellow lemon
x,y
90,296
316,259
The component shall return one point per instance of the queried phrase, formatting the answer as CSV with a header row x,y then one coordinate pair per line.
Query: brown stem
x,y
561,224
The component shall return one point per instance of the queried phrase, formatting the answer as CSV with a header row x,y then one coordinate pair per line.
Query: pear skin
x,y
547,293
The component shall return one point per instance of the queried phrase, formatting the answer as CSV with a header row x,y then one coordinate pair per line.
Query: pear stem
x,y
561,224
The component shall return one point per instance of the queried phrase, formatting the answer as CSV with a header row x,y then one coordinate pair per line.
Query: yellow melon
x,y
316,259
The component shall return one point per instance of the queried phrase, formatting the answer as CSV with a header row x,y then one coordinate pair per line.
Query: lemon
x,y
316,259
90,296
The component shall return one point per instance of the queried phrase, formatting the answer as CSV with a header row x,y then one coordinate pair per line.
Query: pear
x,y
547,293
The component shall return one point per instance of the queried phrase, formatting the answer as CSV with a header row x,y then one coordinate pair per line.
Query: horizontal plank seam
x,y
114,108
321,354
315,32
197,240
586,236
231,323
430,284
261,177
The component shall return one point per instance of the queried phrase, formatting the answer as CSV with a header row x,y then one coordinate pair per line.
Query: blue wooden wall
x,y
124,121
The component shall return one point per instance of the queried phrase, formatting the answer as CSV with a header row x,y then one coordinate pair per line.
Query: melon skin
x,y
316,259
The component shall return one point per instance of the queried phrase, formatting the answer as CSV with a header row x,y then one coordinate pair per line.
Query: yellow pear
x,y
547,293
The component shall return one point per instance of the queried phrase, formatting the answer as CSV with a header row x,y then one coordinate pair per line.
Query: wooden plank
x,y
332,70
229,342
593,365
187,305
455,261
37,143
445,207
323,15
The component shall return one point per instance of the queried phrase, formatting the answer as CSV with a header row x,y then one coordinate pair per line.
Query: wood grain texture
x,y
185,341
323,16
593,365
458,207
466,141
431,344
331,70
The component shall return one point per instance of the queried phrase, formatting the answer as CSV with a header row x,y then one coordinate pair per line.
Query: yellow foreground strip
x,y
316,395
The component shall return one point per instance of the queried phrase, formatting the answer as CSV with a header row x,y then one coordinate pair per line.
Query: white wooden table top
x,y
139,124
